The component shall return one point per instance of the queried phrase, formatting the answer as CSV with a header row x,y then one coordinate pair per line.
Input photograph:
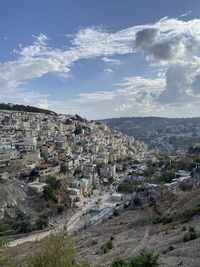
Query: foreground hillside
x,y
136,229
164,228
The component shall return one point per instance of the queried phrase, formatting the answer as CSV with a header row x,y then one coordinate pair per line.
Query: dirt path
x,y
143,242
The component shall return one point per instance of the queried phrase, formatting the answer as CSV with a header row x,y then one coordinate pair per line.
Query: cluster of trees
x,y
164,170
15,107
21,223
53,185
127,186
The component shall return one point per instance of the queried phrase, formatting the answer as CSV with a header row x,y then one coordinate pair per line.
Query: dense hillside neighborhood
x,y
50,162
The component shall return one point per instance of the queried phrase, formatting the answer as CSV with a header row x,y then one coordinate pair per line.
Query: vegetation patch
x,y
142,259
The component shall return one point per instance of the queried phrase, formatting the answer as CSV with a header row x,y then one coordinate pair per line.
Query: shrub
x,y
127,187
145,259
189,213
39,209
60,209
185,187
63,169
184,228
2,180
21,223
42,222
167,176
3,242
157,219
190,235
55,251
107,246
119,262
115,213
4,227
137,201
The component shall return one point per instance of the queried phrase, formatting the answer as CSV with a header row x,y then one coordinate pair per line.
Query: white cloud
x,y
39,58
133,94
170,44
112,61
43,104
185,14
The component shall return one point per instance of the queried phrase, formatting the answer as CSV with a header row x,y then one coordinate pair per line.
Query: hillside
x,y
134,229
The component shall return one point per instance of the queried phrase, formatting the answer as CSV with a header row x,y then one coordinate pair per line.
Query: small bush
x,y
190,235
184,228
4,227
39,209
158,219
119,262
60,209
3,242
107,246
145,259
185,187
115,213
189,213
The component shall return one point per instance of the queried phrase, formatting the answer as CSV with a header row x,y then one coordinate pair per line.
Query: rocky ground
x,y
133,230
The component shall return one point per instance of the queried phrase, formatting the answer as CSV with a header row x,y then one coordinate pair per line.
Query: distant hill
x,y
158,131
139,125
16,107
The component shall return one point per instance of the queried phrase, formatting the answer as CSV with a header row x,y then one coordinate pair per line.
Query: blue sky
x,y
102,59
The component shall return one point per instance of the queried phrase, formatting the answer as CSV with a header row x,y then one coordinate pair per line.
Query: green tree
x,y
21,223
50,189
166,176
42,222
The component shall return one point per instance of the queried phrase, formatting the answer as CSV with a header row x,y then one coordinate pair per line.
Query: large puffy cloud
x,y
177,51
165,49
182,84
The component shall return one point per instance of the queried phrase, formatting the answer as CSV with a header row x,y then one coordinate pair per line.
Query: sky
x,y
102,58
